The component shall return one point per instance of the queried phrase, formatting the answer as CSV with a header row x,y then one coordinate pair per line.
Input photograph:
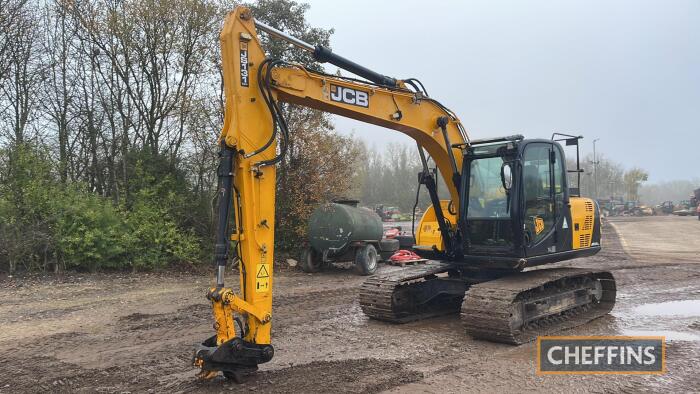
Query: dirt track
x,y
116,333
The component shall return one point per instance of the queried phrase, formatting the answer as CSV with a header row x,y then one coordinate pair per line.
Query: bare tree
x,y
633,179
60,86
23,71
10,15
156,48
609,177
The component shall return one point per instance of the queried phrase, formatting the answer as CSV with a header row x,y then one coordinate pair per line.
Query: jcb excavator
x,y
510,209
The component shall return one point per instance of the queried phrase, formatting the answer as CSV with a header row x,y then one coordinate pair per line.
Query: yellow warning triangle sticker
x,y
262,272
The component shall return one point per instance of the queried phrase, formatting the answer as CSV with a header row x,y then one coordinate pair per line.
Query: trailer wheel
x,y
366,259
310,261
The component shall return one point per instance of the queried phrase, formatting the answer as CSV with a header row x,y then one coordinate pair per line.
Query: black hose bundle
x,y
279,123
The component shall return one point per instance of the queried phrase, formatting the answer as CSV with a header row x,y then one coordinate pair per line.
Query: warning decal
x,y
262,278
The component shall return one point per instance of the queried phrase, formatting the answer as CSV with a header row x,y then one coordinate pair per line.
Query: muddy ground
x,y
134,333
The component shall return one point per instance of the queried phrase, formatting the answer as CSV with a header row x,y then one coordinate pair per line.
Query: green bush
x,y
153,239
27,189
93,234
43,222
90,232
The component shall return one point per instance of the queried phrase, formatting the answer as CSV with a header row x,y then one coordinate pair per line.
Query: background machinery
x,y
341,231
665,208
509,210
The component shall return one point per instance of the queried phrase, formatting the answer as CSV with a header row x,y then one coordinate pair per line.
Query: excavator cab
x,y
518,208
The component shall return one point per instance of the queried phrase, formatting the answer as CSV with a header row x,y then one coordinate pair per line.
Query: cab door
x,y
544,199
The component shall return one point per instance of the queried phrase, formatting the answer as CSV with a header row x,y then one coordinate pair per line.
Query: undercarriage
x,y
413,293
508,307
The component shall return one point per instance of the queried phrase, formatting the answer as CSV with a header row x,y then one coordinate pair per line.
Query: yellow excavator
x,y
510,209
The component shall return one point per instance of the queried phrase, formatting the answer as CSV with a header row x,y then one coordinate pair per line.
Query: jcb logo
x,y
539,225
350,96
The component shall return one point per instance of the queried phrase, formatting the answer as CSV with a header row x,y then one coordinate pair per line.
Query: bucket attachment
x,y
235,358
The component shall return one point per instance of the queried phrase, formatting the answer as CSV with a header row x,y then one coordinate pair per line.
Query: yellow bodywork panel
x,y
375,105
428,232
582,221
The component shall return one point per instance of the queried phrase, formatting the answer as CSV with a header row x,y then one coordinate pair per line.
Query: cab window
x,y
538,193
487,197
559,180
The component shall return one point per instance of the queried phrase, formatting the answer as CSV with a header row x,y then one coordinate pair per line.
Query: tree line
x,y
675,191
390,178
604,178
109,115
614,181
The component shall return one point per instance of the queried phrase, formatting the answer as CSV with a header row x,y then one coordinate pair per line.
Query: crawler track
x,y
391,297
497,310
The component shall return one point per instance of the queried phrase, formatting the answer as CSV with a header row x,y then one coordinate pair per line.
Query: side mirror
x,y
506,176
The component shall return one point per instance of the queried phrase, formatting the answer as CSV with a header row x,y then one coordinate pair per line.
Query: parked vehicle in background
x,y
685,208
617,206
689,207
695,198
643,210
631,208
613,206
342,231
665,208
388,214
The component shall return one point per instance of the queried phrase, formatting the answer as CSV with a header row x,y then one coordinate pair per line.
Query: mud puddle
x,y
669,319
670,335
684,308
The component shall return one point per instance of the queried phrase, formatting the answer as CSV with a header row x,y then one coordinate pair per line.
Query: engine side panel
x,y
584,220
428,232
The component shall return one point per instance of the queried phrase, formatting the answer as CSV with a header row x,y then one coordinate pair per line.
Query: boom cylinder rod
x,y
326,55
280,34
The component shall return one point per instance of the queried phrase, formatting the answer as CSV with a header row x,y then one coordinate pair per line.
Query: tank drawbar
x,y
518,308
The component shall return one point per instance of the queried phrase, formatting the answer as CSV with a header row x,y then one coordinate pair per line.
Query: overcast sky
x,y
626,72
